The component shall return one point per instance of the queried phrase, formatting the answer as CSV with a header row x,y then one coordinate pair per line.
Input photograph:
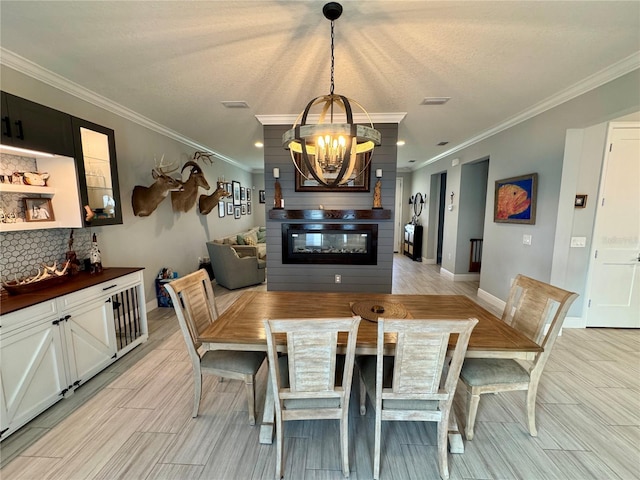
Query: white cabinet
x,y
49,349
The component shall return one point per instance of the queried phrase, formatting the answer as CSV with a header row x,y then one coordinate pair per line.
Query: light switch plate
x,y
526,239
578,242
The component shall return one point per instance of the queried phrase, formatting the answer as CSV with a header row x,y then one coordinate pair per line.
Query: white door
x,y
614,293
398,230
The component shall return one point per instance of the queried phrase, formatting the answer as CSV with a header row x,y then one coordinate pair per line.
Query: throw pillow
x,y
251,238
241,239
262,236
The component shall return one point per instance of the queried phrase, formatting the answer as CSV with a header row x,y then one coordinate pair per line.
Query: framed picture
x,y
515,199
248,194
38,210
243,194
360,183
221,209
229,208
248,208
228,188
261,196
236,212
244,209
236,193
581,201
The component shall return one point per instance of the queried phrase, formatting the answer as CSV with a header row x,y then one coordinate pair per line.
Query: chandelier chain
x,y
332,57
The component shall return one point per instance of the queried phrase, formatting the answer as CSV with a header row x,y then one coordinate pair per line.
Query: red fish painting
x,y
515,199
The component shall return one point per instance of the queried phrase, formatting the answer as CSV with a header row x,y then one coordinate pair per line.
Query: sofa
x,y
251,243
231,270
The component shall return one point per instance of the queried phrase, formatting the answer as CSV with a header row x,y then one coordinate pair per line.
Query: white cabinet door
x,y
90,339
32,373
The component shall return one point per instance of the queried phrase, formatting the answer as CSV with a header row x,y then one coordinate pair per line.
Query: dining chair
x,y
529,308
419,381
311,381
194,303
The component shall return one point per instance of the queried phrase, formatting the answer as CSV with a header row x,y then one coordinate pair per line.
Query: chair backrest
x,y
421,370
311,356
531,305
194,303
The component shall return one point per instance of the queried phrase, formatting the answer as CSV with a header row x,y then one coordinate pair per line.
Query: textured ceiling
x,y
174,62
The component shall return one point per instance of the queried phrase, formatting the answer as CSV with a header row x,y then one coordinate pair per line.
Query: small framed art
x,y
243,194
236,193
581,201
236,212
38,210
248,208
221,209
244,209
515,199
261,196
229,208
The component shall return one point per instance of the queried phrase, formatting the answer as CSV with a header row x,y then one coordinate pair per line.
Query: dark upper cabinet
x,y
95,154
26,124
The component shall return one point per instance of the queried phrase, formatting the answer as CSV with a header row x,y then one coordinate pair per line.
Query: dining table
x,y
240,327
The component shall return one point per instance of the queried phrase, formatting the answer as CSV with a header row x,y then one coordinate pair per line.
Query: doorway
x,y
442,193
613,293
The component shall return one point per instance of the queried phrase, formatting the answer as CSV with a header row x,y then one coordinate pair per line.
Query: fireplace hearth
x,y
324,243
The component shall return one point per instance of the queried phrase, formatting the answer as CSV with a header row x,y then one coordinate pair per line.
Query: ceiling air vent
x,y
235,104
442,144
435,100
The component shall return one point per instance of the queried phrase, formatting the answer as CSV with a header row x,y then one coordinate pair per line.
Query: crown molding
x,y
618,69
290,119
33,70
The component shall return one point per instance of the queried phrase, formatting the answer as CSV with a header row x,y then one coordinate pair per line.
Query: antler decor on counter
x,y
46,277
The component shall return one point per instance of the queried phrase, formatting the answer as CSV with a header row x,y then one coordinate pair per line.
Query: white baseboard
x,y
574,322
495,301
459,277
152,305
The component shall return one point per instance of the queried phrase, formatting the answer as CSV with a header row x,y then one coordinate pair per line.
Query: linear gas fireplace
x,y
330,243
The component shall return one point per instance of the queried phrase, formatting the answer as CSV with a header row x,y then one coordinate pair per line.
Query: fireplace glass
x,y
330,243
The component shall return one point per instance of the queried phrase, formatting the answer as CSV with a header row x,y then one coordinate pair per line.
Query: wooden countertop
x,y
11,303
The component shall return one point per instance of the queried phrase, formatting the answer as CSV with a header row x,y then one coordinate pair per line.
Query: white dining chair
x,y
311,381
195,307
419,381
531,306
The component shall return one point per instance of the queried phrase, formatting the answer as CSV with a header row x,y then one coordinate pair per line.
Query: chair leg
x,y
472,409
531,408
344,443
443,435
279,447
363,396
376,448
251,398
197,387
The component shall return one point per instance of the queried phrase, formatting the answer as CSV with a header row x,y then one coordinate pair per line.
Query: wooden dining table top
x,y
240,327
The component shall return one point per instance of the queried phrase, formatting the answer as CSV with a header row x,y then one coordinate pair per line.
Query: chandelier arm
x,y
310,167
347,109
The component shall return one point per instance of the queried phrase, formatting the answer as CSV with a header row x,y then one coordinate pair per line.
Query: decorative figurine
x,y
72,258
94,256
277,197
377,195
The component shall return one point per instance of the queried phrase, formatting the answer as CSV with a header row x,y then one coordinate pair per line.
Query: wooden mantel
x,y
372,214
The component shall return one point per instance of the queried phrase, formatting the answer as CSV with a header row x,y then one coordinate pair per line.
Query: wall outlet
x,y
338,278
526,239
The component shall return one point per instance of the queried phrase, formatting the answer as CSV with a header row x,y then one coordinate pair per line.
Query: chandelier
x,y
328,150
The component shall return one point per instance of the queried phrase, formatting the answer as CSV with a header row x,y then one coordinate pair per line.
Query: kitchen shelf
x,y
12,188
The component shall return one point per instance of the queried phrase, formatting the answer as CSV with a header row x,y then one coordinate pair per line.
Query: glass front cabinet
x,y
95,155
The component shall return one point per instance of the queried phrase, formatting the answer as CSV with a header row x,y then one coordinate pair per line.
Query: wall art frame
x,y
236,212
515,199
236,193
261,196
221,209
229,208
38,210
362,183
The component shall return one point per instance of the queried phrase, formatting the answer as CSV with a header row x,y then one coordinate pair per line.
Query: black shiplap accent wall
x,y
355,278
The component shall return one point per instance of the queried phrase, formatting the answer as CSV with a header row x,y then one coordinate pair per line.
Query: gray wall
x,y
164,239
355,278
536,145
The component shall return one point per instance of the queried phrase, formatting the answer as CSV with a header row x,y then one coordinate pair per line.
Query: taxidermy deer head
x,y
206,203
184,200
145,200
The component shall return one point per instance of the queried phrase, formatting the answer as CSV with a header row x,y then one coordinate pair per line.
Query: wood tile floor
x,y
132,421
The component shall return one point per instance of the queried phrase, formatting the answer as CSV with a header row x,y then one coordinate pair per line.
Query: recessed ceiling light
x,y
259,144
435,100
400,143
235,104
442,144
